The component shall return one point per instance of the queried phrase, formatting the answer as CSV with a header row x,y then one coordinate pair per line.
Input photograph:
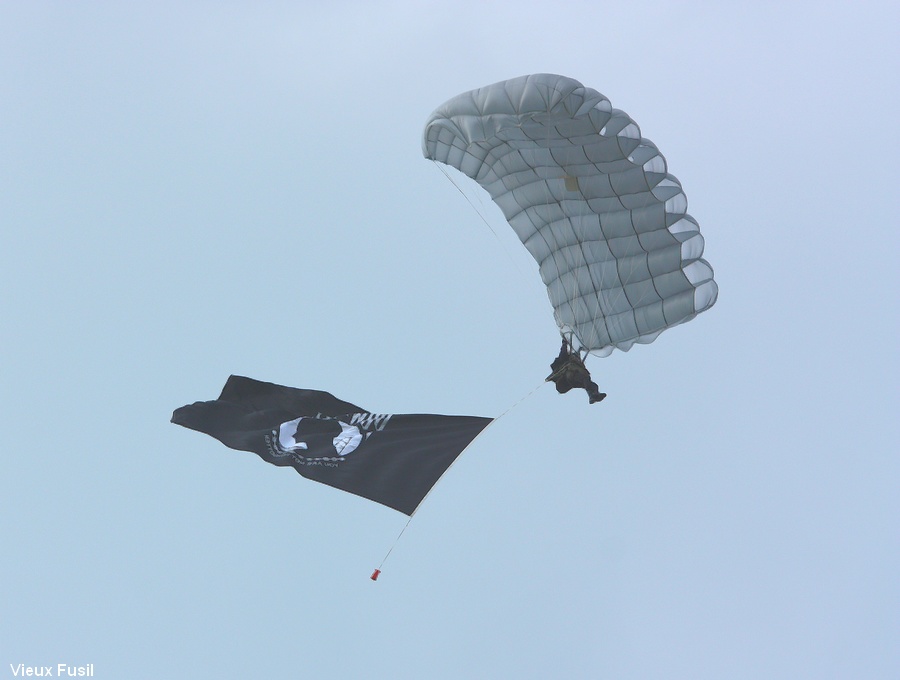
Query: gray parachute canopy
x,y
590,199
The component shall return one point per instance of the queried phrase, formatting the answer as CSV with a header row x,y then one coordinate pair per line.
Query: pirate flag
x,y
392,459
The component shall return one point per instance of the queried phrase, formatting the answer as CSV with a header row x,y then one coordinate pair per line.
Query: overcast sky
x,y
193,190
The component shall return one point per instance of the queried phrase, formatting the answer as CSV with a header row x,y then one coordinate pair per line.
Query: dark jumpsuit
x,y
568,371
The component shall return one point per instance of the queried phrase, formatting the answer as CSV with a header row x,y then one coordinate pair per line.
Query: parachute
x,y
591,200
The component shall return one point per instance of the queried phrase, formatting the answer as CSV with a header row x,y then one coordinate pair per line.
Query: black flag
x,y
392,459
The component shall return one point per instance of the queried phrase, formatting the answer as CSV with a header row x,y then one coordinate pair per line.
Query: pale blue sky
x,y
190,190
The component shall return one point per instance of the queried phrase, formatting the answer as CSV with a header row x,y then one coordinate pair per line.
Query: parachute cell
x,y
591,200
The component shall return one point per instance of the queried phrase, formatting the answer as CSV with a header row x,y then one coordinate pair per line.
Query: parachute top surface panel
x,y
591,200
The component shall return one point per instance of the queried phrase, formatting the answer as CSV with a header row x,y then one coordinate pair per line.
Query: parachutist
x,y
568,371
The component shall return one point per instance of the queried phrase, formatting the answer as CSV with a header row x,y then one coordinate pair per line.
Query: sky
x,y
194,190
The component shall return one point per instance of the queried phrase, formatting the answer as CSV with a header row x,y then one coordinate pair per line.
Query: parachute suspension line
x,y
440,166
579,259
569,338
581,236
577,248
556,252
377,572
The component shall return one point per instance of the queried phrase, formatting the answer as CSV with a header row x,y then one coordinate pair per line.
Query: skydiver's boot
x,y
596,396
594,393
